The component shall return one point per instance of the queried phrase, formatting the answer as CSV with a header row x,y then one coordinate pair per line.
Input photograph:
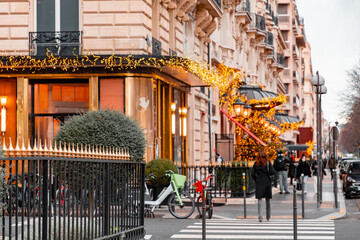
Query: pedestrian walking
x,y
261,172
303,168
280,167
332,164
314,168
292,168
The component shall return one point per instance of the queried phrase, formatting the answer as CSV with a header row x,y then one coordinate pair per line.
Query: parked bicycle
x,y
181,204
209,204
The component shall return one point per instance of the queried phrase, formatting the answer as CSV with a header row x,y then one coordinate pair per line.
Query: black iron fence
x,y
228,181
73,198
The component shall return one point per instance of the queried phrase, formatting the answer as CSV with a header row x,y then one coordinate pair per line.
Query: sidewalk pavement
x,y
281,204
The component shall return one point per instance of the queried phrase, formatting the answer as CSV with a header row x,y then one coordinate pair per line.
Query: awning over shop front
x,y
255,92
184,76
297,147
284,118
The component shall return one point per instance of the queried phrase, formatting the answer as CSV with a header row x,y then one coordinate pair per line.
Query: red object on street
x,y
244,128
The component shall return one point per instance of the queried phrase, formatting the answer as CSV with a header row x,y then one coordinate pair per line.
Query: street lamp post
x,y
318,81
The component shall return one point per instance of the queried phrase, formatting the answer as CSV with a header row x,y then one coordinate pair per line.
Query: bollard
x,y
295,211
302,197
244,190
203,215
335,188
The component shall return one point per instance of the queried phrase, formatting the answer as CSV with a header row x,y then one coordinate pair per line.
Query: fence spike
x,y
60,149
23,149
17,148
41,153
35,149
92,151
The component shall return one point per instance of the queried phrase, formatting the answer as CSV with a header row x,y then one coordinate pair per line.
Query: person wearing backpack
x,y
261,172
280,167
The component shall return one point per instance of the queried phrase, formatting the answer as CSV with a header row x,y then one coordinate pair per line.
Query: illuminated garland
x,y
220,76
310,149
290,126
268,102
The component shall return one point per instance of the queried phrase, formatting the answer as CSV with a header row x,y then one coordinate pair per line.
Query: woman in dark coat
x,y
261,172
303,168
292,168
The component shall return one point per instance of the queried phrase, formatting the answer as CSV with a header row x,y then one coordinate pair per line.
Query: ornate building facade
x,y
179,113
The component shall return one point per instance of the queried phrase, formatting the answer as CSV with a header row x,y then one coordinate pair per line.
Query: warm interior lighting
x,y
173,123
3,101
3,115
173,108
184,130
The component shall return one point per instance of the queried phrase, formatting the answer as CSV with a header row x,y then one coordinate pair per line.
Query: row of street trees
x,y
350,134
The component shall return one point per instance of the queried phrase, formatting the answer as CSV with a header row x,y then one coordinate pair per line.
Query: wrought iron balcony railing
x,y
269,39
244,6
276,21
63,43
258,22
280,58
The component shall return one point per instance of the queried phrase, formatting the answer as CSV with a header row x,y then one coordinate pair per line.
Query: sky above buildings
x,y
333,29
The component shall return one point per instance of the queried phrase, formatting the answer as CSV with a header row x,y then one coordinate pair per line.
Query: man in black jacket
x,y
280,167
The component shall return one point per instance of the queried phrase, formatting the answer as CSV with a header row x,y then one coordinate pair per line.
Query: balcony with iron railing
x,y
300,37
257,28
296,52
242,12
258,22
269,39
61,43
213,6
280,58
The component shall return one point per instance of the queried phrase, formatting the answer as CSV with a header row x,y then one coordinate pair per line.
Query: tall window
x,y
282,9
52,103
112,93
179,139
57,15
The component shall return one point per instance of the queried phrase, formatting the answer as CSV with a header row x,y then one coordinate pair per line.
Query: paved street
x,y
228,222
252,229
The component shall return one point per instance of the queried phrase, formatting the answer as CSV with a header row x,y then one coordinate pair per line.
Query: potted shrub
x,y
157,167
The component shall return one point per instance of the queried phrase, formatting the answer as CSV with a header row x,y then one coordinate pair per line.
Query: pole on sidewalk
x,y
302,197
244,191
295,211
335,188
203,215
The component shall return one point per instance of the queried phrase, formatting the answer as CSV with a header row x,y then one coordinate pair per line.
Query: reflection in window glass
x,y
53,104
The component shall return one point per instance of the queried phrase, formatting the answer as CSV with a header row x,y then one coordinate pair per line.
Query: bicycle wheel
x,y
208,206
181,211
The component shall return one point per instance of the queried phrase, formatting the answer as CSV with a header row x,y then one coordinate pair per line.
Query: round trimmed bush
x,y
105,127
158,168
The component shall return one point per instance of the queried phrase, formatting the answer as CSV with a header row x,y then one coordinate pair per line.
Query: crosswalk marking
x,y
252,229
